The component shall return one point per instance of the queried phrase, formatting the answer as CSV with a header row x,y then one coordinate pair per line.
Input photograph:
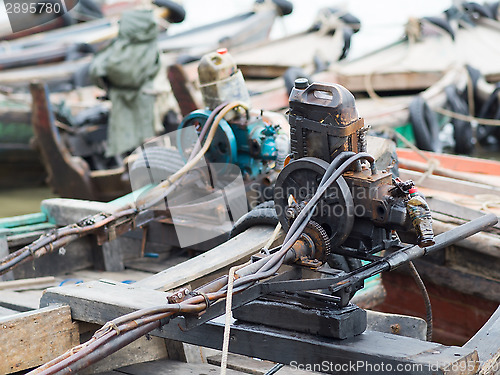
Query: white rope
x,y
229,317
229,302
459,116
265,249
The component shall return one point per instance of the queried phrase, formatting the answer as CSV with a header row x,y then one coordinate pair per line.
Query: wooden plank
x,y
253,366
6,312
23,239
25,229
20,301
100,302
459,280
455,210
142,350
166,367
444,183
487,340
33,283
33,338
29,219
396,81
474,262
155,265
237,248
63,211
4,251
484,243
77,255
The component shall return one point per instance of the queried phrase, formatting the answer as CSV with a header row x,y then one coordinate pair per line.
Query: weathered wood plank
x,y
22,220
142,350
443,184
20,301
99,302
6,312
4,251
166,367
487,340
33,338
78,255
455,210
32,283
254,366
458,280
237,248
25,229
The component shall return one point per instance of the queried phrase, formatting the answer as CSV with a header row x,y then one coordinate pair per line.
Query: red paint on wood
x,y
457,316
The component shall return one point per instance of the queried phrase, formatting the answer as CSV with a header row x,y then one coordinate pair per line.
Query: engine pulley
x,y
300,179
223,148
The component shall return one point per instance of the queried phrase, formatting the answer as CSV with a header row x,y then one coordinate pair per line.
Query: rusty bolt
x,y
291,213
395,328
177,296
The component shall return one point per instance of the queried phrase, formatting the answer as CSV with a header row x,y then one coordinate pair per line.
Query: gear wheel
x,y
320,239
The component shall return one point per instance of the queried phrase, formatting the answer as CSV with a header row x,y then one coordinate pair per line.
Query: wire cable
x,y
427,300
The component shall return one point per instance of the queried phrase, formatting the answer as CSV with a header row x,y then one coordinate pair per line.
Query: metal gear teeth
x,y
324,236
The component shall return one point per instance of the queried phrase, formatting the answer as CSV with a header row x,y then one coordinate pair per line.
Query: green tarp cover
x,y
126,68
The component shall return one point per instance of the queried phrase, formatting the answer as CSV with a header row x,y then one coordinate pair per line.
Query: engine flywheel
x,y
300,180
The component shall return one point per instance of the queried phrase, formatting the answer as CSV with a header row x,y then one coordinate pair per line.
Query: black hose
x,y
258,216
275,369
427,300
297,227
424,124
462,130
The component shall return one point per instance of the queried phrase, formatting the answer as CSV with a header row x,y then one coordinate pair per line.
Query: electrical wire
x,y
149,200
62,236
131,326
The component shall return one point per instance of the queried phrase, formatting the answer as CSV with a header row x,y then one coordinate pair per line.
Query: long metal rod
x,y
410,253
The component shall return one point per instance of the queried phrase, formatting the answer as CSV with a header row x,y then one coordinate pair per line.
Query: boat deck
x,y
237,364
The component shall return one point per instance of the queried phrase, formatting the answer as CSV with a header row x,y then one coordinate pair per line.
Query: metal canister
x,y
221,80
319,112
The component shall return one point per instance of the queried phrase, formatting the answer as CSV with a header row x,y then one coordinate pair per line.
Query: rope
x,y
427,300
486,201
149,200
470,95
459,116
229,317
432,163
265,249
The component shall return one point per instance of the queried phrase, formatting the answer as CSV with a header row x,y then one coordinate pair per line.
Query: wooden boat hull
x,y
249,27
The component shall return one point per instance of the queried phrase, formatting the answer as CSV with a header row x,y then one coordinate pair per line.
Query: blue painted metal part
x,y
250,146
224,145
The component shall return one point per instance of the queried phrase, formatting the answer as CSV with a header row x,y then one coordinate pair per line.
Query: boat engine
x,y
359,213
242,139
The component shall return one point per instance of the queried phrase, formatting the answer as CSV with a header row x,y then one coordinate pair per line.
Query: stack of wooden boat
x,y
449,61
463,280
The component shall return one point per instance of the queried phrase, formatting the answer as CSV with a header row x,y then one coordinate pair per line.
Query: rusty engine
x,y
359,213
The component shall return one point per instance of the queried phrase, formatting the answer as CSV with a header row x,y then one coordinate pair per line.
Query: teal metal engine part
x,y
248,142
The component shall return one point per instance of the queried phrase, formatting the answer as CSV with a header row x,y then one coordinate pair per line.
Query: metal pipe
x,y
108,348
412,252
